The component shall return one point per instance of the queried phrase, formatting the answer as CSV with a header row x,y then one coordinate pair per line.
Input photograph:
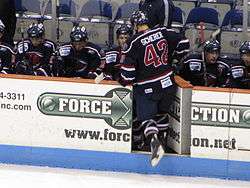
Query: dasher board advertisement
x,y
69,115
220,125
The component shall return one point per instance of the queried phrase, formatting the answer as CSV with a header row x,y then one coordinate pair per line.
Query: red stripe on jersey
x,y
128,66
167,73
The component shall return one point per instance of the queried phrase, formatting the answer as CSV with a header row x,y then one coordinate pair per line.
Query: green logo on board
x,y
115,107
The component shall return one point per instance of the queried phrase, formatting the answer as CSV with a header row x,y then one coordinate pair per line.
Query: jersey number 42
x,y
151,57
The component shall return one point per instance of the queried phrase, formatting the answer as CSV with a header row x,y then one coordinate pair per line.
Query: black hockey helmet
x,y
78,34
139,18
124,30
36,30
245,47
212,46
2,27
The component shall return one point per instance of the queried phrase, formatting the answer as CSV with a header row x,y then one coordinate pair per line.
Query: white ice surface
x,y
40,177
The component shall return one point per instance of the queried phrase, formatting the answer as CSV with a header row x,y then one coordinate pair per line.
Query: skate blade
x,y
156,160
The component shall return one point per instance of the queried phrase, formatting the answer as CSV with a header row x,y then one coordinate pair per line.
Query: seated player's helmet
x,y
78,34
138,18
2,27
245,47
124,30
212,46
36,30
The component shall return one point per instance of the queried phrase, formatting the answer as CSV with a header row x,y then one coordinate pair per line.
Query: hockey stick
x,y
215,33
197,46
202,40
22,34
78,6
43,6
212,36
58,22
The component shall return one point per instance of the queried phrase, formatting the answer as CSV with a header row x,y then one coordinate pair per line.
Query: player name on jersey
x,y
151,38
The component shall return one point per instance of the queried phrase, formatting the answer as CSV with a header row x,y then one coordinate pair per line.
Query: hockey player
x,y
147,66
206,68
80,58
239,74
159,12
7,54
114,56
35,54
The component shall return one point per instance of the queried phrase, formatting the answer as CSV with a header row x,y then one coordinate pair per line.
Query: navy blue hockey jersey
x,y
148,59
239,77
36,57
80,63
199,73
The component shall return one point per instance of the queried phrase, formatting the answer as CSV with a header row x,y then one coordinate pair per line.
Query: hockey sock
x,y
162,125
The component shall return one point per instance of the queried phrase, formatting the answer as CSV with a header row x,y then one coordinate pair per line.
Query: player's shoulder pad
x,y
167,29
6,47
23,45
193,56
223,63
131,39
65,50
94,48
114,49
50,44
134,38
130,42
171,34
231,60
92,45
